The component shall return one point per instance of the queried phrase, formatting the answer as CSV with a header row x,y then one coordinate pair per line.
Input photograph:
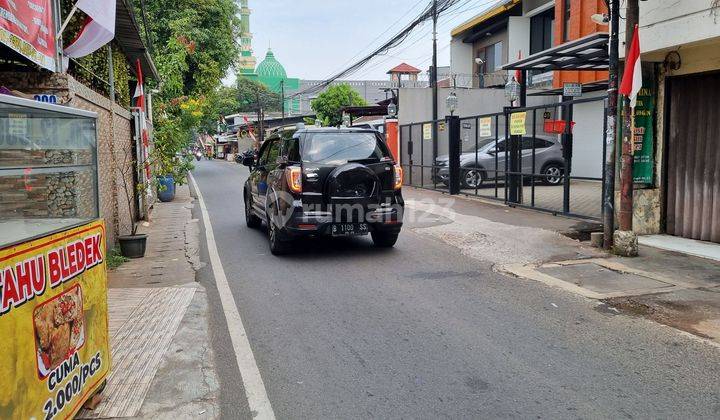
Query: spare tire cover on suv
x,y
351,180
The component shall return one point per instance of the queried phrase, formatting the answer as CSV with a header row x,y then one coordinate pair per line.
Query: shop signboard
x,y
54,323
27,27
643,138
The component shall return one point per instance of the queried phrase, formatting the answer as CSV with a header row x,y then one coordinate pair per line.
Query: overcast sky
x,y
316,38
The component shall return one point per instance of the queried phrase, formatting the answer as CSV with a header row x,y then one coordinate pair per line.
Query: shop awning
x,y
589,53
127,35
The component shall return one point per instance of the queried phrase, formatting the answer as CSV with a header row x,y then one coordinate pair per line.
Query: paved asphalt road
x,y
340,329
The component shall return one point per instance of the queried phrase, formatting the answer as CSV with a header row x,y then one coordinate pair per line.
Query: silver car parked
x,y
548,161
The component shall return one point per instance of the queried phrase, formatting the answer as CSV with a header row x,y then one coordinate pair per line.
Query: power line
x,y
445,20
392,25
420,36
427,13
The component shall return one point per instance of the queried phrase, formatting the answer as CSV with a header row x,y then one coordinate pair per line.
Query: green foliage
x,y
328,104
194,46
115,258
194,43
246,96
252,95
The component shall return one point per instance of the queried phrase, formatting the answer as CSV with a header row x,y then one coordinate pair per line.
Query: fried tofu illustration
x,y
67,308
76,331
59,344
44,325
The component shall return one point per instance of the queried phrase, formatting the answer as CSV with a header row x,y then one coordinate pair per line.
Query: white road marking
x,y
252,381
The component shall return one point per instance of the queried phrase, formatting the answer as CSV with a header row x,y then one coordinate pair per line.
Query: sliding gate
x,y
548,157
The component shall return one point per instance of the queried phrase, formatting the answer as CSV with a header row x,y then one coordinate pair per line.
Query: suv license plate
x,y
349,229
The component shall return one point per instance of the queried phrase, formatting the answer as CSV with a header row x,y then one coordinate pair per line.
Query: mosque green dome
x,y
271,68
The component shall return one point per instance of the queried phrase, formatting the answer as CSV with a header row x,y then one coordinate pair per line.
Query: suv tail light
x,y
398,176
293,174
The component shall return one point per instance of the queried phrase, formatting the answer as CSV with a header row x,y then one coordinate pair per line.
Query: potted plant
x,y
166,187
134,244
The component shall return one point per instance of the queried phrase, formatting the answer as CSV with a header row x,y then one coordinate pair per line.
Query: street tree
x,y
193,42
253,95
328,105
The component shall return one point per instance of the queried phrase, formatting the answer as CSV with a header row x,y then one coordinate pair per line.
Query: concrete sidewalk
x,y
162,362
674,289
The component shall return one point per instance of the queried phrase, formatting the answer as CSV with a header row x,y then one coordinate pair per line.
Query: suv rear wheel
x,y
251,220
278,244
384,239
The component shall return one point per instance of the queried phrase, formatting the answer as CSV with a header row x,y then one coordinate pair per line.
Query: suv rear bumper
x,y
319,223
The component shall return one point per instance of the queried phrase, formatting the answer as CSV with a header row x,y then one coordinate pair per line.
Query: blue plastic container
x,y
166,190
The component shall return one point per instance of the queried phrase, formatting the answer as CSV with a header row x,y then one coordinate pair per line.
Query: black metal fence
x,y
523,157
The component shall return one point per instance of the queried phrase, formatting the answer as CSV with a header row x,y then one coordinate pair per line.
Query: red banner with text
x,y
26,26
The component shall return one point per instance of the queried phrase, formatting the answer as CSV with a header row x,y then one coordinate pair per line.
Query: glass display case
x,y
48,168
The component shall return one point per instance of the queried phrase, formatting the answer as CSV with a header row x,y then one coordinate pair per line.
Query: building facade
x,y
680,51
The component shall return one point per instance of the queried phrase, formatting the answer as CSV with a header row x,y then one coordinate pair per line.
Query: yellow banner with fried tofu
x,y
54,351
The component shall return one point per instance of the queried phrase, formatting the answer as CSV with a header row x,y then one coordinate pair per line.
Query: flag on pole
x,y
98,29
140,103
518,73
632,77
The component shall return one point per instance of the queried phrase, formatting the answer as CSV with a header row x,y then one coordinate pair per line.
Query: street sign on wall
x,y
27,28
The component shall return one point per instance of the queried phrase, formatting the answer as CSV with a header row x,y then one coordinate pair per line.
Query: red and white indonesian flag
x,y
98,30
140,103
632,78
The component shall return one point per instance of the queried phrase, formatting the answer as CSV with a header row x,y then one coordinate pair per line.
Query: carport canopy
x,y
589,53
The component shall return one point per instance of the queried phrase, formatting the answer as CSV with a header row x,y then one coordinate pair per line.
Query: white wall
x,y
666,24
461,57
588,137
518,38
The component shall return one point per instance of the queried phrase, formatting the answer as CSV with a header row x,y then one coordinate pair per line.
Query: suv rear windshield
x,y
339,148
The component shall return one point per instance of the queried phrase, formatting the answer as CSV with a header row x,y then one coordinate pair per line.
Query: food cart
x,y
53,281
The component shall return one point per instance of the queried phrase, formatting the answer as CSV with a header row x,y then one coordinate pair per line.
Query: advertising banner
x,y
54,322
26,26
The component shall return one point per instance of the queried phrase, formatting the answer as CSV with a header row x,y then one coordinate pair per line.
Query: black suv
x,y
324,182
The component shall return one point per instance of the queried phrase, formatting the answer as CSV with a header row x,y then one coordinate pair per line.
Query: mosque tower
x,y
247,61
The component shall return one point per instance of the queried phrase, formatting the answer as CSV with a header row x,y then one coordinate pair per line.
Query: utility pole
x,y
282,99
610,133
433,84
261,130
626,163
625,240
